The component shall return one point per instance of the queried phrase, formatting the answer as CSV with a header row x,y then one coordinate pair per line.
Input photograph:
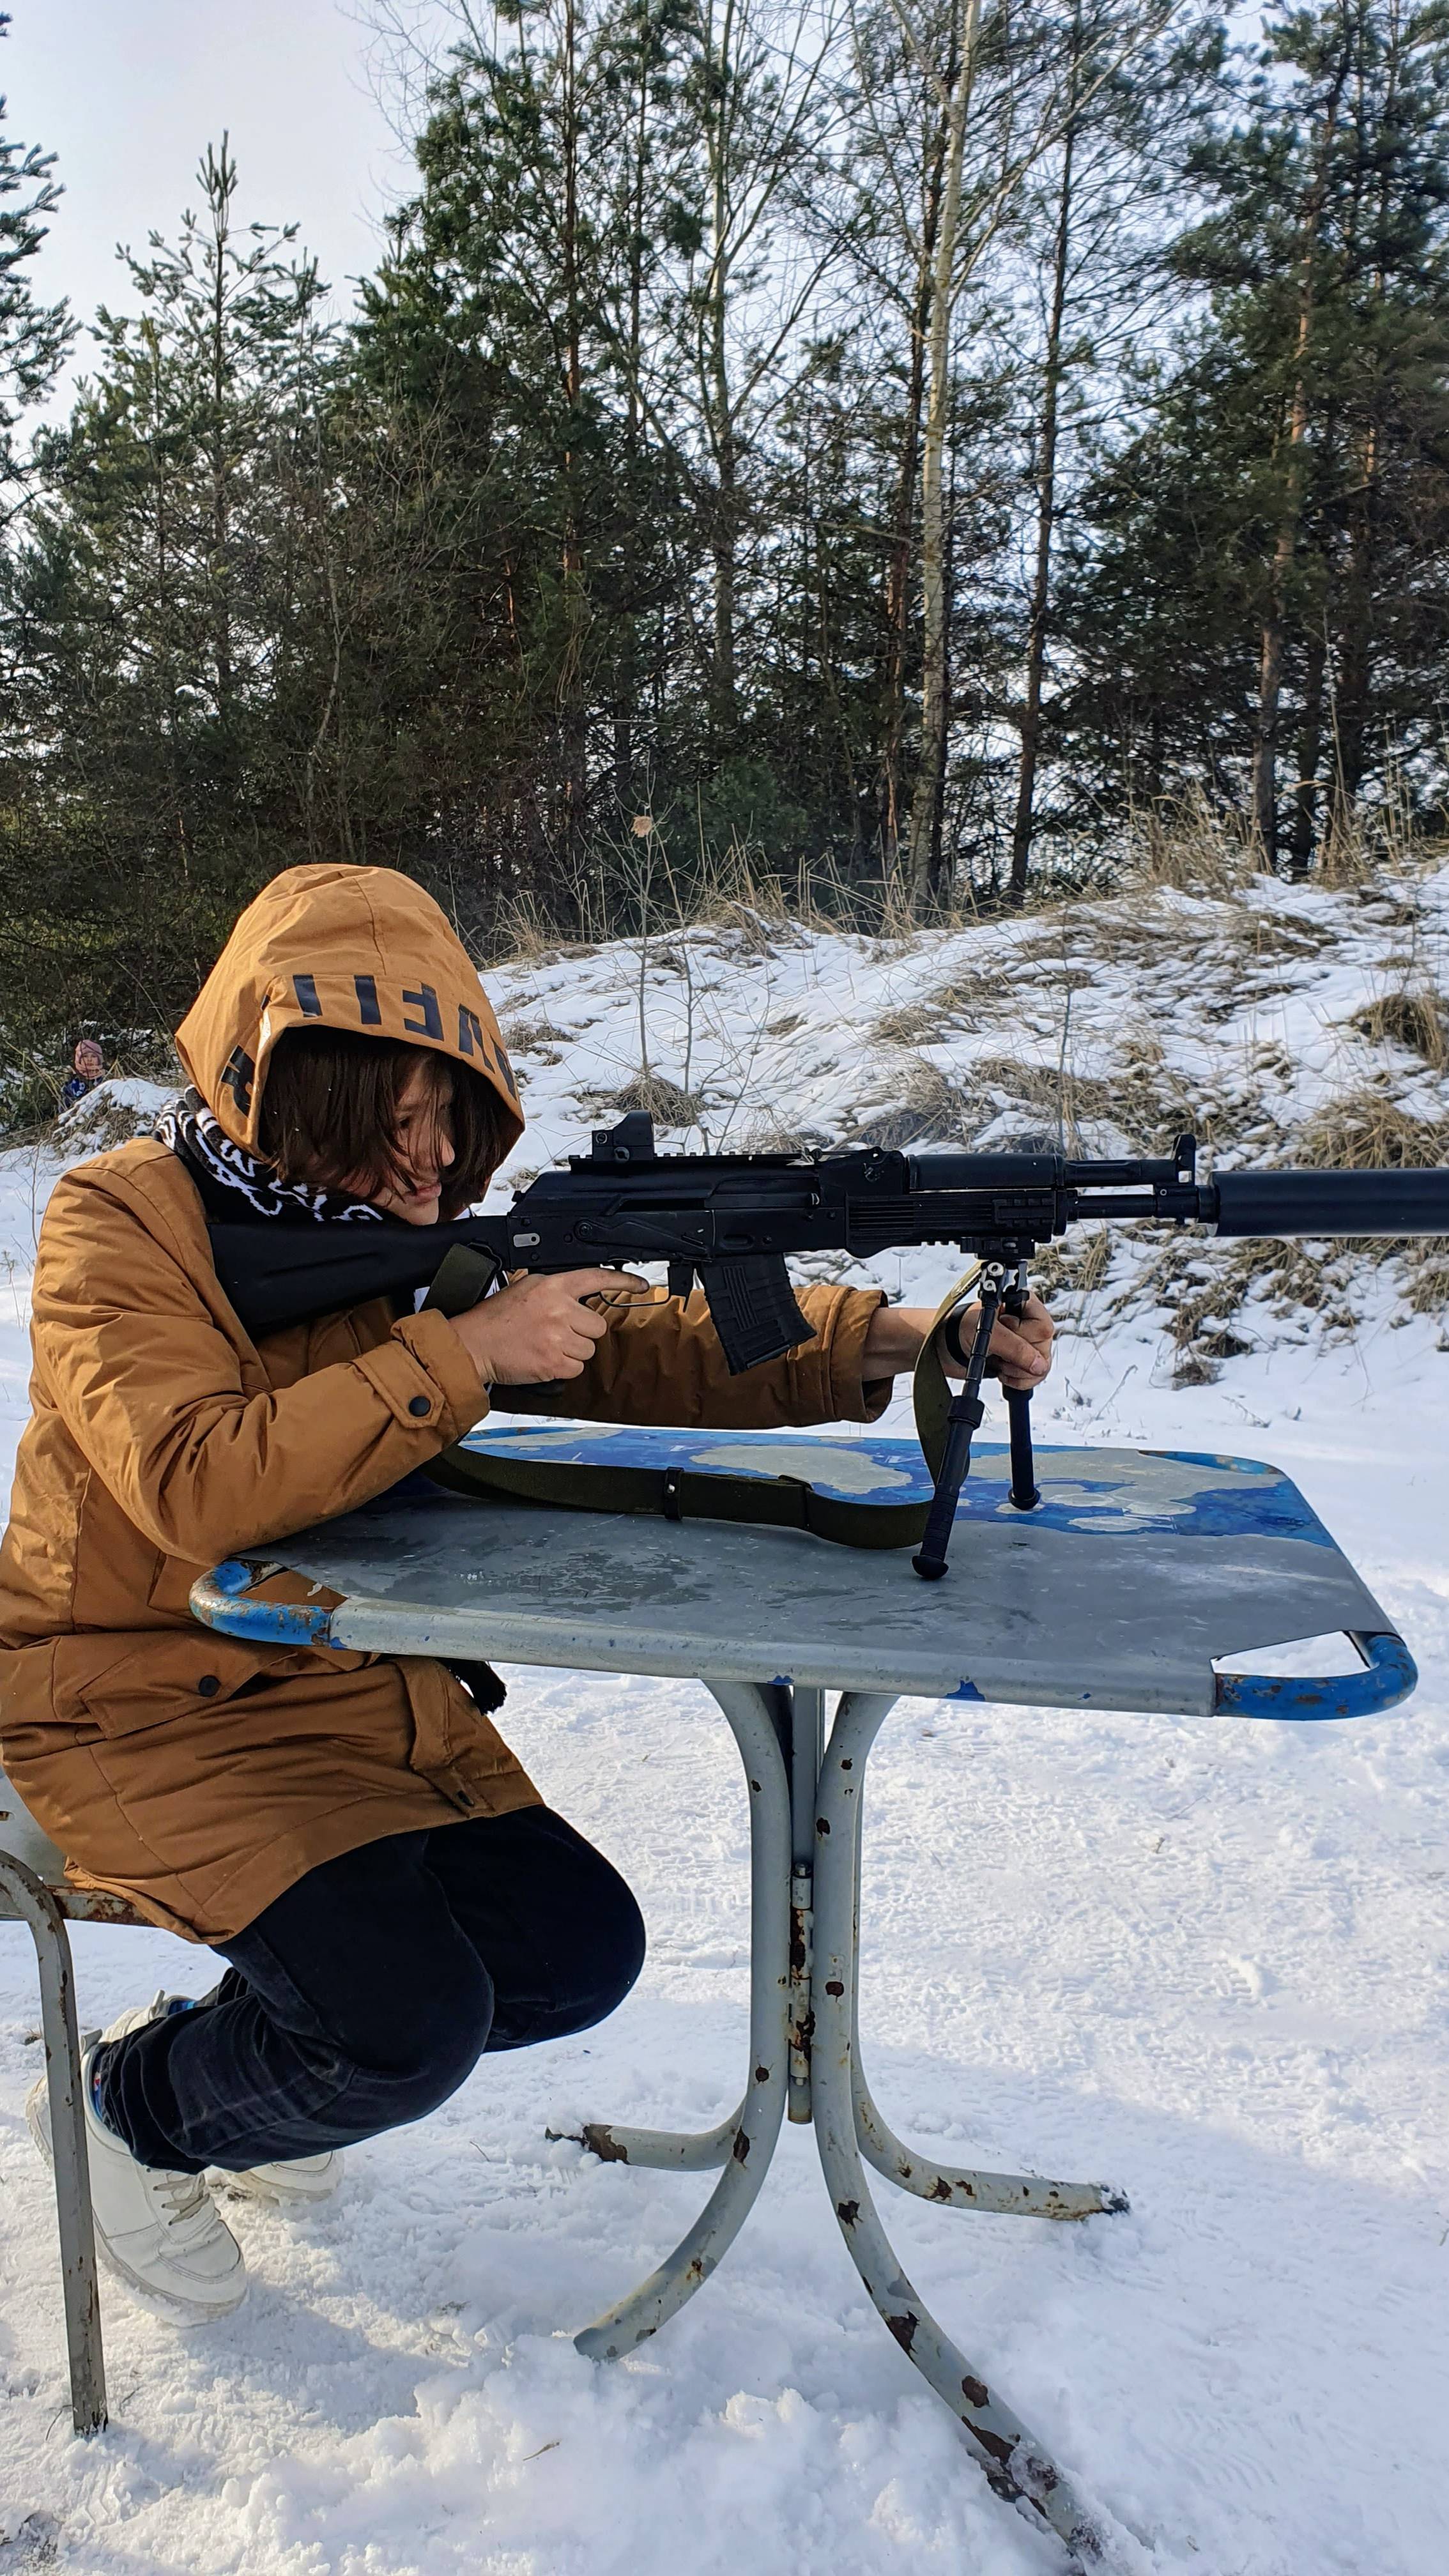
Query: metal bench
x,y
34,1890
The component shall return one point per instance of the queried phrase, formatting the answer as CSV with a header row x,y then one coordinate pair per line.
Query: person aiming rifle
x,y
387,1892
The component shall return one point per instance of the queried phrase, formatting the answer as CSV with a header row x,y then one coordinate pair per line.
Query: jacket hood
x,y
363,949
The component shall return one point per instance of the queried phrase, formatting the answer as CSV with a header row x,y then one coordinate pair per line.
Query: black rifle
x,y
732,1220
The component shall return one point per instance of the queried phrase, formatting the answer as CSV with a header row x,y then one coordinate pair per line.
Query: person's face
x,y
424,1127
88,1060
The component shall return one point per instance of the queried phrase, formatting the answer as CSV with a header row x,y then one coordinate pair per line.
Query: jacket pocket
x,y
169,1678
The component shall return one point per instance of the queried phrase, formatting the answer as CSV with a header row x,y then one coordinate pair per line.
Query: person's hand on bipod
x,y
538,1327
1021,1345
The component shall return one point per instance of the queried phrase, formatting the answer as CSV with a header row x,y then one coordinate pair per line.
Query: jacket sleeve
x,y
151,1389
662,1362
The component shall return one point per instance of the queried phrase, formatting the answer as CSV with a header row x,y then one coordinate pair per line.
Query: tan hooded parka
x,y
195,1774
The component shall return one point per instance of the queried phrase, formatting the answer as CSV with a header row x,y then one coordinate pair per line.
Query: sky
x,y
127,94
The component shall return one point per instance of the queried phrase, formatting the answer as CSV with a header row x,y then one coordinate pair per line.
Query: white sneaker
x,y
298,2184
157,2231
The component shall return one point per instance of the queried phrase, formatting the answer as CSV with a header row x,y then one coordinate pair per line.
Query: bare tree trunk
x,y
1310,742
1355,650
626,686
935,712
720,408
221,182
898,562
1036,633
1351,695
1285,548
573,713
717,390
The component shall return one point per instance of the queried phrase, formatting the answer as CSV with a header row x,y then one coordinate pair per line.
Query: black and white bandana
x,y
234,1184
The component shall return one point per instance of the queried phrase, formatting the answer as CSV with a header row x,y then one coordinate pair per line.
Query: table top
x,y
1138,1570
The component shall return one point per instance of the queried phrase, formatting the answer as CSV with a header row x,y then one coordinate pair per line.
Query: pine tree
x,y
513,314
35,338
166,608
1293,472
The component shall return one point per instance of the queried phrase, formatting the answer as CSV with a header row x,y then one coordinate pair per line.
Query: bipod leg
x,y
962,1423
1024,1494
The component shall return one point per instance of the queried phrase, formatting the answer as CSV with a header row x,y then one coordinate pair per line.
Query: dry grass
x,y
1073,1268
104,1124
536,1037
1195,848
914,1025
970,1000
765,1133
663,1100
1416,1021
1368,1130
921,1108
1202,1289
973,995
1426,1276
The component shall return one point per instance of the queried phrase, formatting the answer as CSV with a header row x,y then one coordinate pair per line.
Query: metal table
x,y
1137,1571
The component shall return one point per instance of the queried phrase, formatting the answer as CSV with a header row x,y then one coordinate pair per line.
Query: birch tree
x,y
1004,95
1088,236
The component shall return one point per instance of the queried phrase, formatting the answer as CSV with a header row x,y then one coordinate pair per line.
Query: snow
x,y
1207,1960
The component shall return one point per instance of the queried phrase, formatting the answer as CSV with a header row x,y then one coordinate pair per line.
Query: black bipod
x,y
962,1423
965,1419
1024,1493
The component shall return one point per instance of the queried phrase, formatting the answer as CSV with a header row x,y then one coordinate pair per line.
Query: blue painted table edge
x,y
224,1598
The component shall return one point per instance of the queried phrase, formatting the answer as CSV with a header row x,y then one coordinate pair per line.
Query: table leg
x,y
1016,2465
800,1724
745,2143
805,1745
1000,2195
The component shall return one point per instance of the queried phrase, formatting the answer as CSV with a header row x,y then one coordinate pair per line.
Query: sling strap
x,y
687,1494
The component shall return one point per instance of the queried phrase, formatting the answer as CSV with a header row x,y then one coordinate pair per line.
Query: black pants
x,y
364,1995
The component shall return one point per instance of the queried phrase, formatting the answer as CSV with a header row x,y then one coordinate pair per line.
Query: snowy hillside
x,y
1210,1960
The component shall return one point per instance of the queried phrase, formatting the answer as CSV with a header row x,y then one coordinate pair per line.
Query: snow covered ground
x,y
1210,1960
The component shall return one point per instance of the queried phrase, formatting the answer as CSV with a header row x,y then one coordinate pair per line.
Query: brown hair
x,y
329,1115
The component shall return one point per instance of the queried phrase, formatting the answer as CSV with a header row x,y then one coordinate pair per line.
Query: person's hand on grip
x,y
538,1328
1021,1345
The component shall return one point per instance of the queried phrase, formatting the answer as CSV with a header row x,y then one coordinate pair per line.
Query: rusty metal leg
x,y
751,2133
1000,2195
1015,2462
32,1899
806,1743
667,2150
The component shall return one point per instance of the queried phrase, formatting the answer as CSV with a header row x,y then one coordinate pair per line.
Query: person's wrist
x,y
473,1335
893,1339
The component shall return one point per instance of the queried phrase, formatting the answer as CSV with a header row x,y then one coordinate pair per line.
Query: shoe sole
x,y
176,2311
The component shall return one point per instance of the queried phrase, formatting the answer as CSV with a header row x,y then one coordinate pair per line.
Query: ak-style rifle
x,y
733,1220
